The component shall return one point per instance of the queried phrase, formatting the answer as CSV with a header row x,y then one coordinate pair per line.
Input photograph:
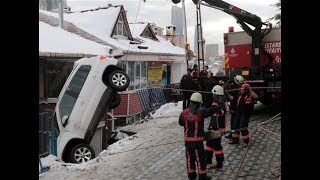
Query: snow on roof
x,y
161,46
100,23
56,40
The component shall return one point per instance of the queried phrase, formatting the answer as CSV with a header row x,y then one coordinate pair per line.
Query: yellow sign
x,y
245,73
155,73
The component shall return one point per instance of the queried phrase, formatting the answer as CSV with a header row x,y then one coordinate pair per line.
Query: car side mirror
x,y
65,120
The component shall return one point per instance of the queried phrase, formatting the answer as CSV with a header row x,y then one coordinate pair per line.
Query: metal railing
x,y
151,99
47,137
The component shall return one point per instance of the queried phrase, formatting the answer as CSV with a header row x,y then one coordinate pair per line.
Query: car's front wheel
x,y
118,80
81,153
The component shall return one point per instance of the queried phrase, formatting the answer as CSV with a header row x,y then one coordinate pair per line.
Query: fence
x,y
47,137
151,99
172,95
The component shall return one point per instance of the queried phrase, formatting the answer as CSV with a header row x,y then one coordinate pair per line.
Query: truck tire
x,y
115,101
118,80
81,153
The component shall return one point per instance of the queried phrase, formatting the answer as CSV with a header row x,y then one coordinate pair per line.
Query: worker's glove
x,y
216,134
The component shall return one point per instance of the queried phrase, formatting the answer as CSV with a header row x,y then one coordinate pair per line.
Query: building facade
x,y
150,59
212,50
50,5
177,19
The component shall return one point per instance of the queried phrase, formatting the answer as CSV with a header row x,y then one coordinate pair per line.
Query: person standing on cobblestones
x,y
192,119
217,122
233,96
187,84
244,109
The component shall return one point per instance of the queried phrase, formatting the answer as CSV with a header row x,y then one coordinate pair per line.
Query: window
x,y
119,29
56,74
131,75
137,72
73,90
137,75
144,69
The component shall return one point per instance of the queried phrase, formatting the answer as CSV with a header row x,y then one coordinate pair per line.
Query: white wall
x,y
177,71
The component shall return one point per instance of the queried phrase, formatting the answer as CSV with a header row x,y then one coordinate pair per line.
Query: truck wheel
x,y
115,101
118,80
81,153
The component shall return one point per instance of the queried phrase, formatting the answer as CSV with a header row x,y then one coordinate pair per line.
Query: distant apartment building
x,y
49,5
212,50
177,19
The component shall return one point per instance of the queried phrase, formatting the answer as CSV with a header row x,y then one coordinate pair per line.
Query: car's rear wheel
x,y
81,153
115,102
118,80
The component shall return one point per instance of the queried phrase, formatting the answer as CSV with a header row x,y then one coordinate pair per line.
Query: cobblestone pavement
x,y
164,156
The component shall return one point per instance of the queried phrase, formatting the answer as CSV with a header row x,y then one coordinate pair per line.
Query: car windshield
x,y
73,90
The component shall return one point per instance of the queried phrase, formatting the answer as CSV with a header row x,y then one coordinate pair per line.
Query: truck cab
x,y
238,61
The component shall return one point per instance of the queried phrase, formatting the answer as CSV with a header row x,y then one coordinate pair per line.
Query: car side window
x,y
73,90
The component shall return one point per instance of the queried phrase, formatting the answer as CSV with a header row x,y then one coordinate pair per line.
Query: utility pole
x,y
185,32
60,14
200,38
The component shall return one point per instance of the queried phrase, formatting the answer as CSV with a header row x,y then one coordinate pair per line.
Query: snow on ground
x,y
167,113
168,110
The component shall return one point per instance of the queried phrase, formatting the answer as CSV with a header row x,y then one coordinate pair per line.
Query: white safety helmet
x,y
217,90
196,97
239,79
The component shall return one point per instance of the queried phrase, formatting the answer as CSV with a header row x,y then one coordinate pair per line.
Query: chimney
x,y
171,34
109,5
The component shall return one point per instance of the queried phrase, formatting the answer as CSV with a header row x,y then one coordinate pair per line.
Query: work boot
x,y
216,165
204,177
228,136
192,176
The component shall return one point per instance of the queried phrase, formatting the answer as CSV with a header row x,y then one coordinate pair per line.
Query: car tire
x,y
115,102
118,80
81,153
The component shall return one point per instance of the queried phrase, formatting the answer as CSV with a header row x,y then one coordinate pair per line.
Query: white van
x,y
90,89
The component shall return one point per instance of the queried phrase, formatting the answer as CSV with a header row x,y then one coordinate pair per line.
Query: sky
x,y
214,22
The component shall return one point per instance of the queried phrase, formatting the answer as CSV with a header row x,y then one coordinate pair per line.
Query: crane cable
x,y
134,25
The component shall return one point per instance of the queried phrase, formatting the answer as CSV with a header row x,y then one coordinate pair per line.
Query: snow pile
x,y
89,165
168,110
121,135
48,160
119,145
